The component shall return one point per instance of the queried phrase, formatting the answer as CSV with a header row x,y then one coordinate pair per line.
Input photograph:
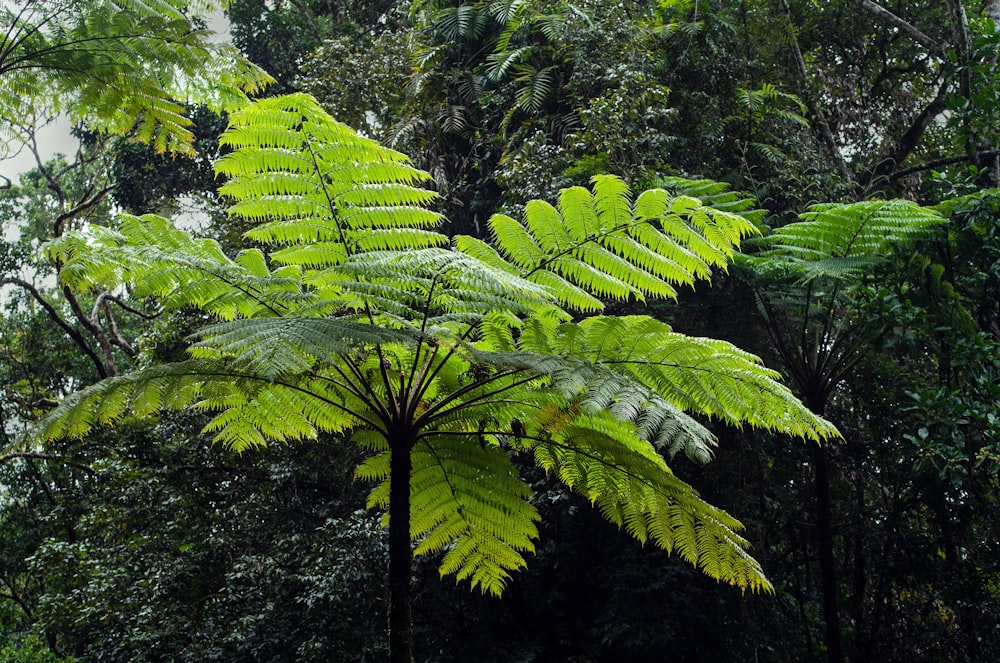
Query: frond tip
x,y
627,480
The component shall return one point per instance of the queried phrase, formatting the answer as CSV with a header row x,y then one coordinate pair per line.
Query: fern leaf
x,y
702,376
305,178
599,245
841,241
598,457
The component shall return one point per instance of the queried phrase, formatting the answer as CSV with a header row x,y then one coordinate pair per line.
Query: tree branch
x,y
102,304
134,311
80,208
905,27
76,336
95,330
908,142
40,456
945,161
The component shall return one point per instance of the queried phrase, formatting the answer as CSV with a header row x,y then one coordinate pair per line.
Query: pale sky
x,y
52,139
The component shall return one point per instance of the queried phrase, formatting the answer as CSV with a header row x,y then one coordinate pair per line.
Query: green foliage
x,y
638,88
597,244
846,241
30,651
452,356
182,550
124,68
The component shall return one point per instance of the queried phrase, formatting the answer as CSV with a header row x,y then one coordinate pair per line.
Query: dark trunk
x,y
827,563
400,553
816,401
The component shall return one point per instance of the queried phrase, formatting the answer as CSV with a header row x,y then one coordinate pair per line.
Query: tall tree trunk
x,y
400,553
827,563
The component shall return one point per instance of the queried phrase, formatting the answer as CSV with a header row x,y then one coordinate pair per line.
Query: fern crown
x,y
357,316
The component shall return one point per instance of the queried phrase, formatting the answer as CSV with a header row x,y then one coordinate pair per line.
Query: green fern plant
x,y
445,358
803,274
843,241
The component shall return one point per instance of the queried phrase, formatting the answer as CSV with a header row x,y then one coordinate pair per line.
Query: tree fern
x,y
601,245
357,318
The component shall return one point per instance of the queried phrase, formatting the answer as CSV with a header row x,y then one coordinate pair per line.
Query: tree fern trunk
x,y
827,562
400,554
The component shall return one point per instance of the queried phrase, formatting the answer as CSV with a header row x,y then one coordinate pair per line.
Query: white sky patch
x,y
53,138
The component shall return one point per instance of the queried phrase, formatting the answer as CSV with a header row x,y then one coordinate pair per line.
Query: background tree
x,y
120,68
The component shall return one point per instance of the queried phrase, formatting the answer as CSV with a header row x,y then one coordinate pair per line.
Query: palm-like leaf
x,y
843,241
315,186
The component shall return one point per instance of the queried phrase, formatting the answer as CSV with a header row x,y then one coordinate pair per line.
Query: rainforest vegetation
x,y
500,330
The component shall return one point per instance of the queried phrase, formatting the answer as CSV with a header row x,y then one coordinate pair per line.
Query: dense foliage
x,y
151,543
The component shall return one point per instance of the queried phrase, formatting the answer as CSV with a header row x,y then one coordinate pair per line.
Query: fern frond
x,y
698,375
464,22
443,281
598,244
468,501
605,461
124,68
253,408
304,178
284,347
156,259
716,195
839,241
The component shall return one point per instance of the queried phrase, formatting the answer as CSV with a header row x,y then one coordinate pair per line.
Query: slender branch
x,y
43,456
117,300
16,598
908,142
53,185
80,208
75,335
308,17
116,336
94,329
945,161
905,27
